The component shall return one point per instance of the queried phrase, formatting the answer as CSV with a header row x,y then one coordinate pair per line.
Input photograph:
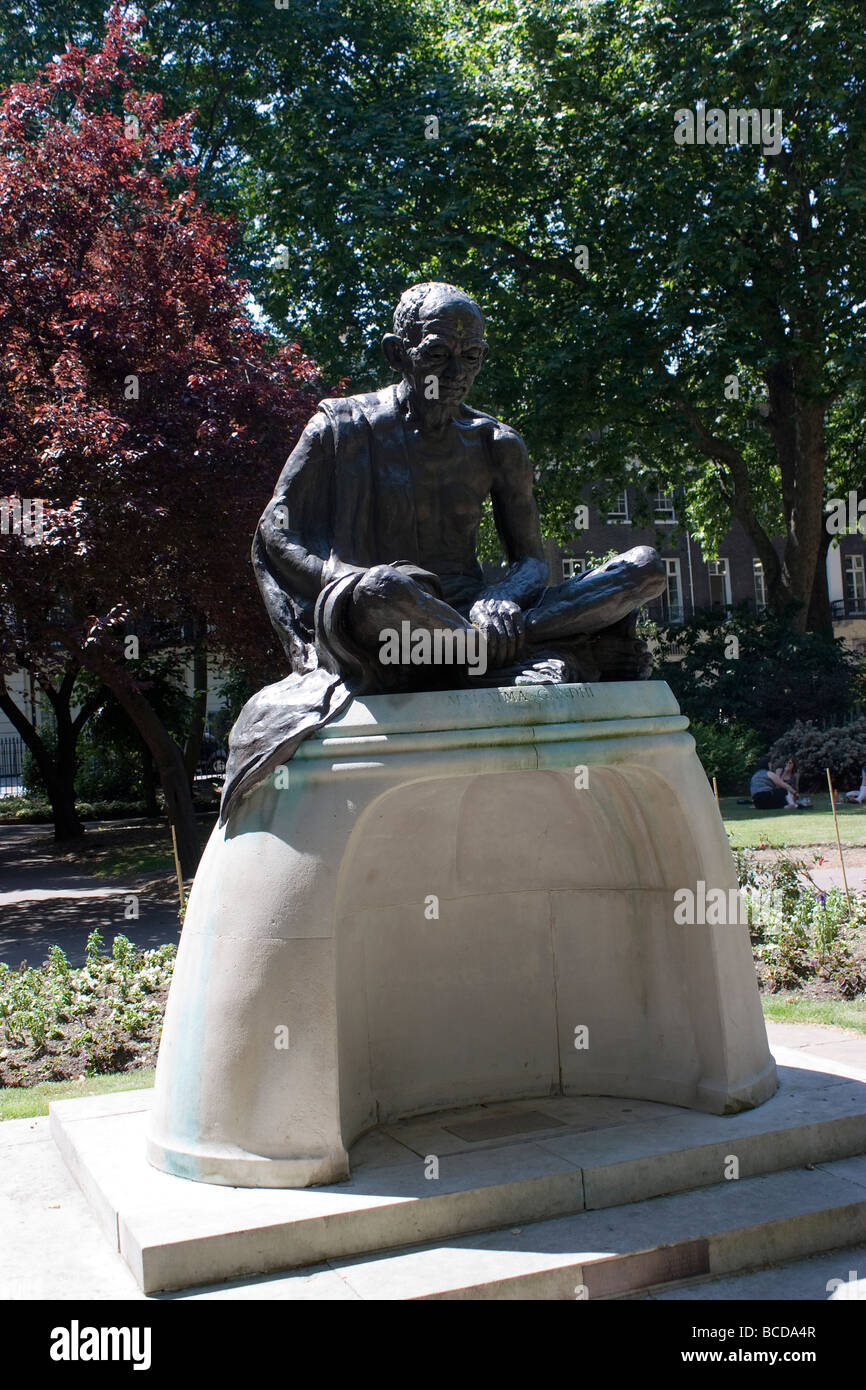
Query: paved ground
x,y
53,1248
44,902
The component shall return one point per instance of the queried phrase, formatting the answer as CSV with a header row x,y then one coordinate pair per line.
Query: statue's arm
x,y
516,518
295,528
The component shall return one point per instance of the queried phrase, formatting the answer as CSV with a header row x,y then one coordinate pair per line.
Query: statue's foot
x,y
551,671
542,668
571,663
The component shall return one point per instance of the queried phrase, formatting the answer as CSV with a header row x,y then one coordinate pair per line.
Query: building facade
x,y
695,583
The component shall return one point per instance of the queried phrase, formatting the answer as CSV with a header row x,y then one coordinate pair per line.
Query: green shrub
x,y
106,773
842,749
26,811
728,752
31,777
739,668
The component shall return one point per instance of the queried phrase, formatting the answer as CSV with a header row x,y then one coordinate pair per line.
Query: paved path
x,y
44,902
829,875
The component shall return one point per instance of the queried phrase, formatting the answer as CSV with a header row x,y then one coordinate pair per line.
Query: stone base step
x,y
829,1277
725,1229
441,1179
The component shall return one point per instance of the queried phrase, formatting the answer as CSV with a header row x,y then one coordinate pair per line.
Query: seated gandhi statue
x,y
366,554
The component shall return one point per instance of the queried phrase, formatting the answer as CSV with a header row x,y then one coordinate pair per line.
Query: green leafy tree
x,y
711,335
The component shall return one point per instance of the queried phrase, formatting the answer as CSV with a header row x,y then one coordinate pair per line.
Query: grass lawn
x,y
140,859
109,851
23,1102
748,826
836,1013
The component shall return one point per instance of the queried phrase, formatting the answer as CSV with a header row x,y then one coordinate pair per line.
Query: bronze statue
x,y
366,554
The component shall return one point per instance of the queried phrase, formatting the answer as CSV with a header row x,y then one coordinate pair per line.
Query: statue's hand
x,y
501,622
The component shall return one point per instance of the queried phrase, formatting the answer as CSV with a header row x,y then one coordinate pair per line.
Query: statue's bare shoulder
x,y
507,450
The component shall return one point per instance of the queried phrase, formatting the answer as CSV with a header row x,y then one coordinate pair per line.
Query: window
x,y
760,587
571,567
855,584
720,584
674,594
619,511
663,509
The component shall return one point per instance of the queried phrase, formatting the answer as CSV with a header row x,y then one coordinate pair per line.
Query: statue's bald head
x,y
430,300
438,347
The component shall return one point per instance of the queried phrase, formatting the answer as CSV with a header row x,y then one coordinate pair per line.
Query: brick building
x,y
736,576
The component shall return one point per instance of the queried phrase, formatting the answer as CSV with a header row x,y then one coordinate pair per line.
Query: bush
x,y
106,773
728,752
756,671
842,749
22,810
31,777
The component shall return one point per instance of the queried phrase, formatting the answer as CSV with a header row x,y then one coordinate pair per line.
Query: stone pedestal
x,y
447,899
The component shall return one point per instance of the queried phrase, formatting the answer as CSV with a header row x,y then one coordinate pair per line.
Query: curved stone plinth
x,y
452,898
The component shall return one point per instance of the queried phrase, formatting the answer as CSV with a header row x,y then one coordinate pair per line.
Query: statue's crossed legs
x,y
580,630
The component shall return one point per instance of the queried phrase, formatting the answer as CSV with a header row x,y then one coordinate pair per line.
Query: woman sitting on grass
x,y
769,791
859,796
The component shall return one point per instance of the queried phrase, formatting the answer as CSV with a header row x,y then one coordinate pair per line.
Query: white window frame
x,y
854,570
572,565
676,612
720,569
664,511
620,516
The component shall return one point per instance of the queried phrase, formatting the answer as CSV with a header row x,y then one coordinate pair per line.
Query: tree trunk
x,y
192,747
148,781
58,774
819,616
181,812
796,424
168,758
61,794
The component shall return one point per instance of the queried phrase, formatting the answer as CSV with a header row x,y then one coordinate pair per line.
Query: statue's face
x,y
447,343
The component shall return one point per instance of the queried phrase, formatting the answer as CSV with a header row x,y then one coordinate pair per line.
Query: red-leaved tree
x,y
138,402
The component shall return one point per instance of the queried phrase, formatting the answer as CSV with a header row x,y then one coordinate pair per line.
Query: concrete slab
x,y
174,1233
54,1250
53,1247
736,1225
830,1277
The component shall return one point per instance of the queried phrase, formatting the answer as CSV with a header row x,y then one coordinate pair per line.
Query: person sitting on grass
x,y
789,774
859,796
769,791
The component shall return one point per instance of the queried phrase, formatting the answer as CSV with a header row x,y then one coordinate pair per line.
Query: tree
x,y
55,758
138,402
712,326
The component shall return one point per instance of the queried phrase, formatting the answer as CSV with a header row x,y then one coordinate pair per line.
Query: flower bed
x,y
60,1022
